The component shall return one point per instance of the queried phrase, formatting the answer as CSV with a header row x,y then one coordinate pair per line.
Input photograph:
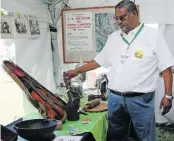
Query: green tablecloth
x,y
97,124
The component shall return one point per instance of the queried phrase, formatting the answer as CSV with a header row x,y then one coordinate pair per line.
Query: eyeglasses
x,y
122,18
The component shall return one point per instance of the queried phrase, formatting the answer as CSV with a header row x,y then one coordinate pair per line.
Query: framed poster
x,y
6,27
85,31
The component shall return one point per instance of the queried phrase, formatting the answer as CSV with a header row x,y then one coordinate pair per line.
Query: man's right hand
x,y
71,73
87,67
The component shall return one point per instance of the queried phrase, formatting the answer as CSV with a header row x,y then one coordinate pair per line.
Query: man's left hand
x,y
166,104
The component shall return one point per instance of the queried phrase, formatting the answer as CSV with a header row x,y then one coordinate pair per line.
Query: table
x,y
97,124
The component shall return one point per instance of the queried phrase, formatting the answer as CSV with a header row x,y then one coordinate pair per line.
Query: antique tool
x,y
77,89
67,85
73,106
102,86
92,97
81,111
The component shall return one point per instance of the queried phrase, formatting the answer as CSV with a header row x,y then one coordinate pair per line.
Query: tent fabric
x,y
35,55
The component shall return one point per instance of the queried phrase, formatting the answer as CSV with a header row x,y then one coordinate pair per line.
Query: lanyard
x,y
138,32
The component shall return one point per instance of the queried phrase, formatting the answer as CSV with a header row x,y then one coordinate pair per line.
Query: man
x,y
136,55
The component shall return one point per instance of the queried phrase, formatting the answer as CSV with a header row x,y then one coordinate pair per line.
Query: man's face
x,y
124,19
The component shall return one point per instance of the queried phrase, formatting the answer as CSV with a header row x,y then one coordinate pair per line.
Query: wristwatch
x,y
169,97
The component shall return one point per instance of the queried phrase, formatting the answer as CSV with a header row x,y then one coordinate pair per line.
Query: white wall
x,y
33,55
168,34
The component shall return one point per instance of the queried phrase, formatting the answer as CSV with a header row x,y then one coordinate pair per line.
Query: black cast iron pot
x,y
36,129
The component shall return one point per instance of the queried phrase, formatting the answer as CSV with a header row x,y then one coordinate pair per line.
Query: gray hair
x,y
129,5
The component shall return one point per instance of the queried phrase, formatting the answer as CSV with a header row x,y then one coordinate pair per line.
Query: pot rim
x,y
16,126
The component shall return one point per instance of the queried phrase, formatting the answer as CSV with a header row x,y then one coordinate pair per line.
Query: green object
x,y
2,13
18,14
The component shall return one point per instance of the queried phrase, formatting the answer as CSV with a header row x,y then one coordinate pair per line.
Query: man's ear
x,y
135,13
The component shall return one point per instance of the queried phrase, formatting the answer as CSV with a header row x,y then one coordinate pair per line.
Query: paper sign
x,y
68,138
78,31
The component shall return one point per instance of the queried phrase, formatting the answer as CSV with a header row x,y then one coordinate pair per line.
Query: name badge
x,y
124,58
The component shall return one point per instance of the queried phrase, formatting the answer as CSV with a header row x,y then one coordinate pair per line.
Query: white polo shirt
x,y
137,68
